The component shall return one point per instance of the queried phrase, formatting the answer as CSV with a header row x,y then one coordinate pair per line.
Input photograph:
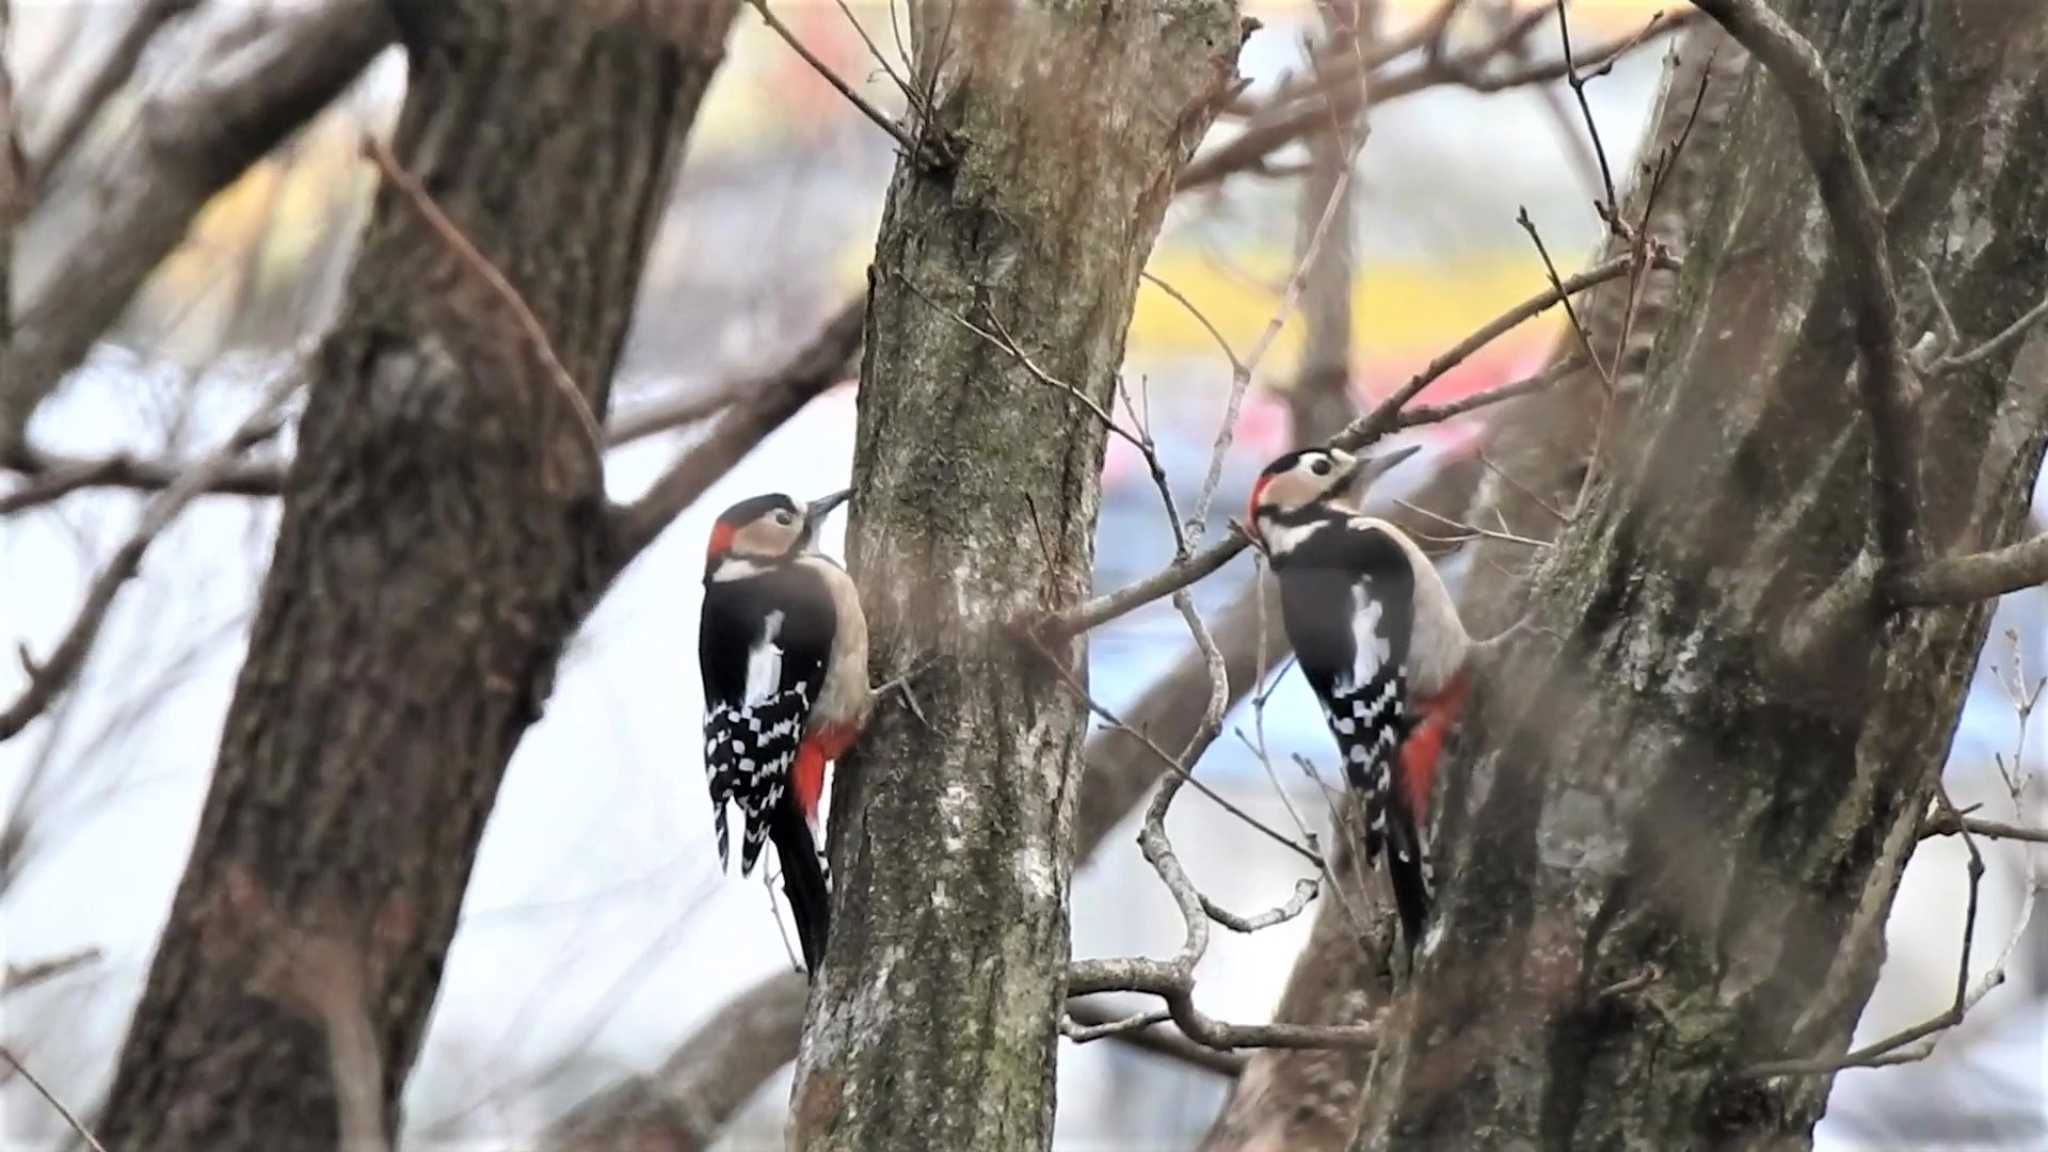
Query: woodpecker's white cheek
x,y
1284,538
736,570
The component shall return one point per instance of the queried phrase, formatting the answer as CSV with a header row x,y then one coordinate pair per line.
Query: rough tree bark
x,y
1312,1102
932,1024
441,537
1699,782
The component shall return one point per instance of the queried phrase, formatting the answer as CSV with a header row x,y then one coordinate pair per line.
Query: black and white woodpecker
x,y
1378,638
783,649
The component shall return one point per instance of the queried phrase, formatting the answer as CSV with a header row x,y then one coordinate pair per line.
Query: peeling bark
x,y
978,483
436,549
1702,778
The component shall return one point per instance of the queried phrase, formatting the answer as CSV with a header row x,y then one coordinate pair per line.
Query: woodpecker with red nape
x,y
1379,639
783,649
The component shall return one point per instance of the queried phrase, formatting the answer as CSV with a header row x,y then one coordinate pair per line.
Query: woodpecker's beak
x,y
817,509
1366,469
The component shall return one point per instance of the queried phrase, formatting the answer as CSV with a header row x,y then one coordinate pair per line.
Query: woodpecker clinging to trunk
x,y
783,649
1378,638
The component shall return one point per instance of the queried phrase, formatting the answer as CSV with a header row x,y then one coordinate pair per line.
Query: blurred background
x,y
597,932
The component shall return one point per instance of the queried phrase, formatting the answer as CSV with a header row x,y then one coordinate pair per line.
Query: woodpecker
x,y
783,650
1378,637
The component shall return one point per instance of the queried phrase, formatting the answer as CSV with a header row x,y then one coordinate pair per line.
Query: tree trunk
x,y
1697,784
440,539
978,482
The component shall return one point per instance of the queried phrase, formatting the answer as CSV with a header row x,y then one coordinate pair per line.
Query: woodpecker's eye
x,y
1321,467
784,519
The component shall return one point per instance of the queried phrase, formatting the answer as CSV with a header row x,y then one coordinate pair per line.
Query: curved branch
x,y
1890,386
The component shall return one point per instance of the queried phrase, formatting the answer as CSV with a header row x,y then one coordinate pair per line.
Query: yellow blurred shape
x,y
1397,308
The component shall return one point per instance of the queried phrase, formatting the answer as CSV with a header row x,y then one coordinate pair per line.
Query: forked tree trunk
x,y
439,542
1698,782
977,490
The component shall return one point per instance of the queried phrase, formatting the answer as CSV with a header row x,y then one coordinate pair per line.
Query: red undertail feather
x,y
1425,744
808,774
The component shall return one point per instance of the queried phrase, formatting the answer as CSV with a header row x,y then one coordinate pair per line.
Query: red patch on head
x,y
1251,515
721,541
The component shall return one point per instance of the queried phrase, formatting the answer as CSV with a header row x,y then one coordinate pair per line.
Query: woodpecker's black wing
x,y
1348,595
761,647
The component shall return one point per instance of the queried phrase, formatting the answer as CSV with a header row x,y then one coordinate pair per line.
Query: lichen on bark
x,y
1674,788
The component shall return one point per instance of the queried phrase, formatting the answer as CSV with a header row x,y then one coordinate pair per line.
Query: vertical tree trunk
x,y
932,1024
1674,853
438,544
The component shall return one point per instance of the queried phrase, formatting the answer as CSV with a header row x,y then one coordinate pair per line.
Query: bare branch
x,y
1967,579
1890,387
1947,823
53,477
1241,370
1572,77
1304,891
1422,414
1297,114
2003,342
1176,767
192,143
685,1103
1918,1042
1159,1041
1571,313
911,147
761,408
114,71
22,977
76,1126
48,679
1081,1033
1384,418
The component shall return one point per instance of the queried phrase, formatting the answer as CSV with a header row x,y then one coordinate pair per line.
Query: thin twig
x,y
1571,311
543,350
49,678
1473,531
1385,417
1176,770
1967,579
1918,1042
22,977
1158,1040
1417,415
1945,824
1304,891
1241,371
910,146
1997,345
1526,491
1578,85
77,1126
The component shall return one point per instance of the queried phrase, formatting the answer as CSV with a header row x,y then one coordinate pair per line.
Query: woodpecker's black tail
x,y
1409,871
803,880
